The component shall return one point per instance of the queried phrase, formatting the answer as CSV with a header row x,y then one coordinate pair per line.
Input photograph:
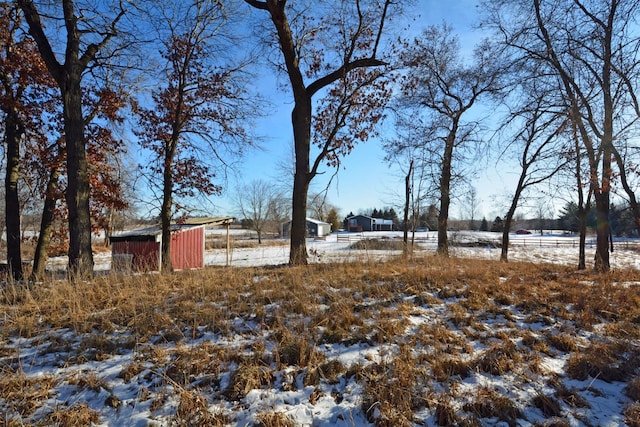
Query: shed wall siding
x,y
187,248
146,255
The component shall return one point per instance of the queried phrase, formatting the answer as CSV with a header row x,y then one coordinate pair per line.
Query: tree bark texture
x,y
165,219
301,118
77,194
13,135
508,220
46,223
407,201
445,191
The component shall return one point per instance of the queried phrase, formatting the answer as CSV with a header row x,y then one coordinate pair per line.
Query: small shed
x,y
140,249
315,228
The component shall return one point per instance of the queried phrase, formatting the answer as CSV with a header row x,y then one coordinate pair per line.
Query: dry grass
x,y
23,395
218,334
193,411
488,403
632,416
76,415
273,419
633,389
392,390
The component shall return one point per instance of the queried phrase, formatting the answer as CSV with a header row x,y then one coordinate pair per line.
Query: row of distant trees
x,y
552,87
263,209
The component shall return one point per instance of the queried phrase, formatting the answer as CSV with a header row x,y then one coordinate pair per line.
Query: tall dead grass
x,y
439,320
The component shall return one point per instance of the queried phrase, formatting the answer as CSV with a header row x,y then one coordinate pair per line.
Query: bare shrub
x,y
377,245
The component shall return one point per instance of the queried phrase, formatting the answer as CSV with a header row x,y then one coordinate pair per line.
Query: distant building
x,y
315,228
366,223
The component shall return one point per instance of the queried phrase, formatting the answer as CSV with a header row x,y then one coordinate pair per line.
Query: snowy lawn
x,y
432,341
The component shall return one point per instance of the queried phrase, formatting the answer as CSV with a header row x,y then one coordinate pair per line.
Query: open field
x,y
553,247
430,341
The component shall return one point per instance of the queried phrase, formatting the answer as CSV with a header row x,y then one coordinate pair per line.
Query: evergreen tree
x,y
498,225
345,221
484,225
332,218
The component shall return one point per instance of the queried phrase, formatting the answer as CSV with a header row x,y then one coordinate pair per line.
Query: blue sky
x,y
365,180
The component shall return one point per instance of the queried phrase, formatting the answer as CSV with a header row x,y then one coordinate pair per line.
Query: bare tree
x,y
329,48
589,50
439,85
472,205
261,204
538,143
318,206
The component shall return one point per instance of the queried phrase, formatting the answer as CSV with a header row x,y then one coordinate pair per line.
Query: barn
x,y
139,250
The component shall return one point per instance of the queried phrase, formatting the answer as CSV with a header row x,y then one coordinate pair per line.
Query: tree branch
x,y
257,4
342,71
35,29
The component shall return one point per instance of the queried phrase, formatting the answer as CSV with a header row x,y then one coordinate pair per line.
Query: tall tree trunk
x,y
407,201
583,206
165,219
108,227
46,223
68,76
301,119
13,134
583,211
602,263
77,195
508,220
445,191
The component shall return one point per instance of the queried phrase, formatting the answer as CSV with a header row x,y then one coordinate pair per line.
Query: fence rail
x,y
572,243
528,242
351,237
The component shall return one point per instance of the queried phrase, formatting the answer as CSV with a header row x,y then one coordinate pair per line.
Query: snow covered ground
x,y
120,400
552,247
